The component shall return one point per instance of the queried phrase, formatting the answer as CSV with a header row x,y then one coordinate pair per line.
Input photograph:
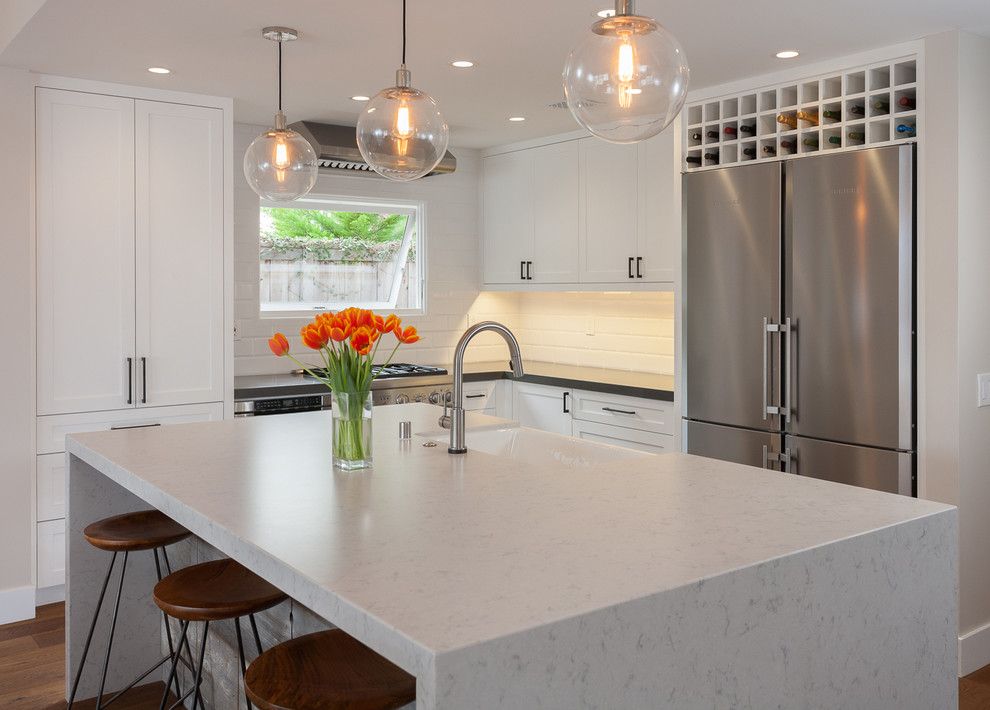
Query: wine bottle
x,y
769,150
835,140
711,134
810,142
906,102
834,115
789,145
751,152
693,159
711,157
730,131
746,128
881,106
809,117
696,136
905,128
787,120
857,110
856,136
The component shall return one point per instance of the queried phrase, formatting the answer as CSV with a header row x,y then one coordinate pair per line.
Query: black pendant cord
x,y
403,32
280,75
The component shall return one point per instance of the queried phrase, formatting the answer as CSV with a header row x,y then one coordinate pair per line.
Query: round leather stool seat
x,y
131,532
328,670
212,591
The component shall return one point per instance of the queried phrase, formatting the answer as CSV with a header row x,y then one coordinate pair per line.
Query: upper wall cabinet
x,y
130,253
582,213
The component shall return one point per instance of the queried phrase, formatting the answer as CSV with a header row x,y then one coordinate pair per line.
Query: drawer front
x,y
632,412
51,553
479,396
51,487
648,441
52,430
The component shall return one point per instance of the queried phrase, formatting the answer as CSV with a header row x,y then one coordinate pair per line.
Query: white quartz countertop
x,y
429,552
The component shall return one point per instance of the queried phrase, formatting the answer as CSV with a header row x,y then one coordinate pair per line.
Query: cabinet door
x,y
507,184
50,490
626,438
179,254
85,187
660,228
51,553
541,407
556,213
611,211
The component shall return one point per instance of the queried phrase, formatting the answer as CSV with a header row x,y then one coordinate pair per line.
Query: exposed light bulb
x,y
626,69
281,160
403,128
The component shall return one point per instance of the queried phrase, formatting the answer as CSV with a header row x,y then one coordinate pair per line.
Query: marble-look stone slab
x,y
502,584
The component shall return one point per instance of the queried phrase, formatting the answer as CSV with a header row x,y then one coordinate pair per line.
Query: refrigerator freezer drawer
x,y
726,443
879,469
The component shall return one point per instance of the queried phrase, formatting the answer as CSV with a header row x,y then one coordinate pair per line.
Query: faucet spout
x,y
457,445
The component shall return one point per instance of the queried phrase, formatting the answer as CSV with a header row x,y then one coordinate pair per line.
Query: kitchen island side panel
x,y
867,622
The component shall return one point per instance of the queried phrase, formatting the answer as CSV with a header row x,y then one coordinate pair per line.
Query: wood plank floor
x,y
32,670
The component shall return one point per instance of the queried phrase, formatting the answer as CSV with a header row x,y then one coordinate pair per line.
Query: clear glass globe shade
x,y
626,80
401,133
280,165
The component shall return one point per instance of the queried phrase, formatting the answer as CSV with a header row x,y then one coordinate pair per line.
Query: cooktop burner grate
x,y
401,369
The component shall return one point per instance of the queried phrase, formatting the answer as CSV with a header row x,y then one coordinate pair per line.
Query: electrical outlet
x,y
983,389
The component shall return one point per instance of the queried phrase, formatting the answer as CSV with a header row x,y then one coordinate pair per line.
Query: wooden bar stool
x,y
131,532
213,591
328,670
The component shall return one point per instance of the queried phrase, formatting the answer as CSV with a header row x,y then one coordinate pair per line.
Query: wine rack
x,y
857,108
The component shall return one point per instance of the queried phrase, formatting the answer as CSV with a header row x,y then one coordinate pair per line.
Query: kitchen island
x,y
546,572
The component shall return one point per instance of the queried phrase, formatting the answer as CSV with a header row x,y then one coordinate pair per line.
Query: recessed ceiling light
x,y
462,63
787,54
360,98
159,70
607,12
517,119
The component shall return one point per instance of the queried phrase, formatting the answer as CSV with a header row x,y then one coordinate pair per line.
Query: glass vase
x,y
351,434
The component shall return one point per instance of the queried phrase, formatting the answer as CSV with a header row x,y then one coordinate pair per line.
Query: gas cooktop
x,y
401,369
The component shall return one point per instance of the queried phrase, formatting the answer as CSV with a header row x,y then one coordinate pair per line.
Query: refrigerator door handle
x,y
766,457
785,459
768,328
787,330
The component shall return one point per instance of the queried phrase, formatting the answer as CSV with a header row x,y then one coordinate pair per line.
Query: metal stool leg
x,y
240,652
92,628
254,629
183,628
113,627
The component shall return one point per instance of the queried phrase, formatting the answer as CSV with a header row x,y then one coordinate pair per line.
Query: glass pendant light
x,y
280,164
627,79
401,133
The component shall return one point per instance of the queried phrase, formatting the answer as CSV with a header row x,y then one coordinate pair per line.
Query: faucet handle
x,y
445,419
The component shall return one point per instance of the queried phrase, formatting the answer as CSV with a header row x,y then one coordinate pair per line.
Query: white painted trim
x,y
134,92
535,143
16,604
974,650
49,595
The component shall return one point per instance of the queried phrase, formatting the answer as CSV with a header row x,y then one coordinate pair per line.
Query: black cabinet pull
x,y
144,380
630,267
639,262
566,410
618,411
522,270
133,426
474,396
529,275
130,380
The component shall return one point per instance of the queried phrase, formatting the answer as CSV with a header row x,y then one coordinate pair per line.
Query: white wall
x,y
17,353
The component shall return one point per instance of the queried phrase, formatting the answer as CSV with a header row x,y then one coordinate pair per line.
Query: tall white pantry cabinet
x,y
132,223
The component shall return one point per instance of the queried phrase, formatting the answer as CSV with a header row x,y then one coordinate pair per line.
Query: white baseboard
x,y
16,604
49,595
974,650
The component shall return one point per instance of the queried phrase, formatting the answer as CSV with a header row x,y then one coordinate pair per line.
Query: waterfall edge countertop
x,y
503,582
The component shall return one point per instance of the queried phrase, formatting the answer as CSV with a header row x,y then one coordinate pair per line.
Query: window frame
x,y
416,209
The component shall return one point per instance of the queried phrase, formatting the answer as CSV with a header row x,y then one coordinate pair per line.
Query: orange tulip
x,y
361,341
363,318
378,322
407,336
312,336
337,334
279,344
391,323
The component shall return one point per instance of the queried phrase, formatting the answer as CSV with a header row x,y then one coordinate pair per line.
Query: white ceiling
x,y
347,48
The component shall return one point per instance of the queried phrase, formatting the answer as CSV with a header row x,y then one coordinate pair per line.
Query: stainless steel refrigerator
x,y
799,316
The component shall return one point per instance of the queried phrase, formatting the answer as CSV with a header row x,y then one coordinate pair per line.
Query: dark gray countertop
x,y
595,379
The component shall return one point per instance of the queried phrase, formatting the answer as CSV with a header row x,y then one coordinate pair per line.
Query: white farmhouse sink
x,y
537,447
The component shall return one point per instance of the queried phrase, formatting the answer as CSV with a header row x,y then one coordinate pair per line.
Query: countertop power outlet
x,y
983,389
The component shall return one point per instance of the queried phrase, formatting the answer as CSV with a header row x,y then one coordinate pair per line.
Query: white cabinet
x,y
179,254
619,410
51,553
621,436
541,407
50,489
130,253
610,238
85,302
583,212
531,215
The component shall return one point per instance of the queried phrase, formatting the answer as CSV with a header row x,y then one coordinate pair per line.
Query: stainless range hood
x,y
336,148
